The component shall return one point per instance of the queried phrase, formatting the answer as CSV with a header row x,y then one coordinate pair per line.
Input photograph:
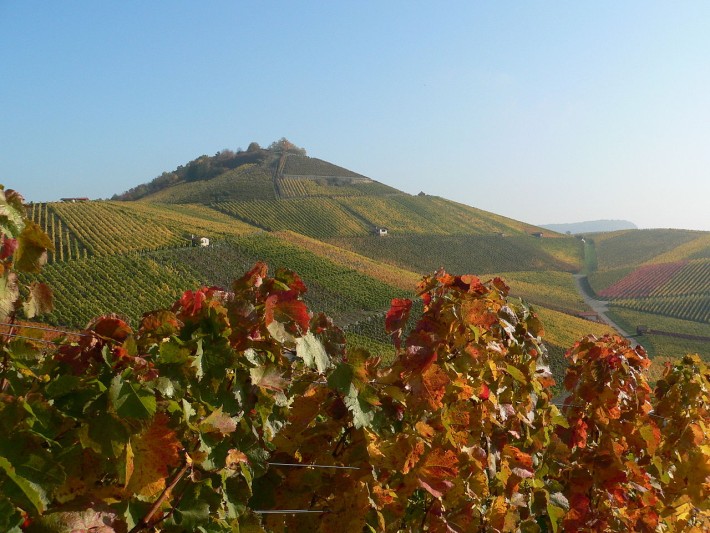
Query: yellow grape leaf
x,y
155,451
425,430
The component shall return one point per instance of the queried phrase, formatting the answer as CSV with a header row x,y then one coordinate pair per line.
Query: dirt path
x,y
600,307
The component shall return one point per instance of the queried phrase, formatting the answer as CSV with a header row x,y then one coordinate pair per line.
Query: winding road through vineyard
x,y
600,307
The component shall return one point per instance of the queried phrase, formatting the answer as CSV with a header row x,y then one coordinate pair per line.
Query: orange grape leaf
x,y
477,313
234,457
155,451
437,471
430,386
425,430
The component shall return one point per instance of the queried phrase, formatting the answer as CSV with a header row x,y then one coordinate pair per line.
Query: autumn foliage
x,y
238,402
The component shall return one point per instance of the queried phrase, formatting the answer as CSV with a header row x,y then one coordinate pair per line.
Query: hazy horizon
x,y
546,113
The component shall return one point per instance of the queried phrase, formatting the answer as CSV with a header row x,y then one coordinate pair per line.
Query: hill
x,y
357,243
590,226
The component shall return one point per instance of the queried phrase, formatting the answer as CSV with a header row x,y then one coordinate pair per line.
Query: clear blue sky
x,y
541,111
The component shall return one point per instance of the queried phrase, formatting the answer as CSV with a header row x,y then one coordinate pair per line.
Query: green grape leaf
x,y
311,350
132,400
17,486
361,412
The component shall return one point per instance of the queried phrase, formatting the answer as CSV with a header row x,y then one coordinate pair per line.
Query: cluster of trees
x,y
206,167
234,408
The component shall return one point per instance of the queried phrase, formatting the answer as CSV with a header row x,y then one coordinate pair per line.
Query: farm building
x,y
380,232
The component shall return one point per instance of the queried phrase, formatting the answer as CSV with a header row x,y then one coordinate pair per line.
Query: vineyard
x,y
662,346
127,284
555,290
688,307
394,276
314,217
602,280
693,278
697,248
680,289
186,219
156,436
455,218
298,187
244,411
480,254
634,247
66,244
106,228
643,281
247,182
301,165
388,213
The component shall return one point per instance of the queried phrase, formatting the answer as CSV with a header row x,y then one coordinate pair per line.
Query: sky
x,y
545,112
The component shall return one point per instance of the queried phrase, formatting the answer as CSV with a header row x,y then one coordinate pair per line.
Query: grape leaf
x,y
155,451
33,244
16,485
311,350
40,300
132,400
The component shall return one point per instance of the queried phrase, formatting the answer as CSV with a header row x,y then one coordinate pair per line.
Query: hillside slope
x,y
280,206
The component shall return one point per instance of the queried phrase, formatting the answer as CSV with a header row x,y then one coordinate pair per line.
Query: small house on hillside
x,y
590,315
380,232
75,200
537,234
199,241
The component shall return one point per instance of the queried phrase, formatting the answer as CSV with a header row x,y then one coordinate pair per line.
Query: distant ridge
x,y
591,226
